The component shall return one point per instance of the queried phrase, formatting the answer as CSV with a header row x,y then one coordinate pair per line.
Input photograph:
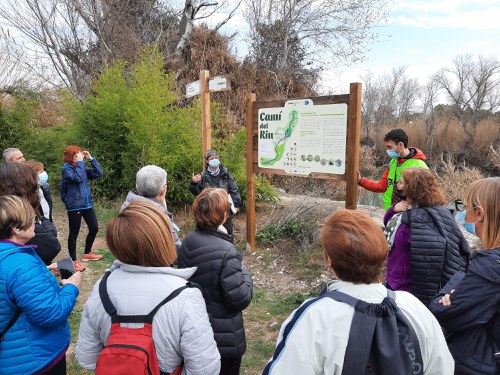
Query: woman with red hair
x,y
75,193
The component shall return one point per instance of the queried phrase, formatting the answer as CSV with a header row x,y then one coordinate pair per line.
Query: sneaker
x,y
91,256
78,266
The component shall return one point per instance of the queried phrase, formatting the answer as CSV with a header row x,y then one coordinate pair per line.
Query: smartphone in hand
x,y
66,267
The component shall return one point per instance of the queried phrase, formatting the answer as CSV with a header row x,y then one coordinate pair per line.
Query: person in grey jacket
x,y
139,280
152,184
227,285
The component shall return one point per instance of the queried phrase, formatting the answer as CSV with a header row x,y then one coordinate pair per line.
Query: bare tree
x,y
429,99
472,88
10,61
389,98
332,31
81,37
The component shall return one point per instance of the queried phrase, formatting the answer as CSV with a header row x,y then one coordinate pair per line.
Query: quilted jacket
x,y
227,286
438,249
223,180
472,321
41,332
181,329
75,189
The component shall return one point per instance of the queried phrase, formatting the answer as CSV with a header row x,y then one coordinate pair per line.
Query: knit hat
x,y
210,153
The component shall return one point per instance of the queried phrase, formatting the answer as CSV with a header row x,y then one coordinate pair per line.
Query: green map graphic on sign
x,y
282,136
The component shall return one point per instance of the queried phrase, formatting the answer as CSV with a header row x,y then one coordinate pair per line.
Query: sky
x,y
427,35
424,35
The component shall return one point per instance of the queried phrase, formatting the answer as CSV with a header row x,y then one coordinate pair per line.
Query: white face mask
x,y
43,178
214,163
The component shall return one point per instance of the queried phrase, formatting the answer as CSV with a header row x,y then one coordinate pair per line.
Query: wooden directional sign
x,y
193,88
219,83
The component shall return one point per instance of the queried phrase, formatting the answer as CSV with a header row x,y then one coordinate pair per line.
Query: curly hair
x,y
19,179
69,152
422,187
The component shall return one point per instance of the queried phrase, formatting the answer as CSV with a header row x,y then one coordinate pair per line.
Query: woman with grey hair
x,y
151,184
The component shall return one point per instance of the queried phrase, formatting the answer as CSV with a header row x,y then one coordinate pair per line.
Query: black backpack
x,y
381,339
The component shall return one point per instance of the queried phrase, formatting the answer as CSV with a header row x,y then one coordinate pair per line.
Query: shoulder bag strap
x,y
11,323
103,293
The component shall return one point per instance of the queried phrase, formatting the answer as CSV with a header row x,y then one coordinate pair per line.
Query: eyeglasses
x,y
167,184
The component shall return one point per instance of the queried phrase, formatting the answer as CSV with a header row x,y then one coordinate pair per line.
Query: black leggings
x,y
75,220
58,369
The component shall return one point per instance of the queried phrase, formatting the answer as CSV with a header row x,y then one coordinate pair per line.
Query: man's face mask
x,y
214,163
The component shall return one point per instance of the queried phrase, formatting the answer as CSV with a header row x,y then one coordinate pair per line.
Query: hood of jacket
x,y
131,196
184,273
415,153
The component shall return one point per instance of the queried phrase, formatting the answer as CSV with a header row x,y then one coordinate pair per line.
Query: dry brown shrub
x,y
487,131
312,187
308,212
454,180
367,160
416,132
494,157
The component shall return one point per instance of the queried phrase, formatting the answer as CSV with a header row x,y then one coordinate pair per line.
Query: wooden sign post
x,y
204,87
327,114
206,130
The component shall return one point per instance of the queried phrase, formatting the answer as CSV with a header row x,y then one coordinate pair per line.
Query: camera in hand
x,y
66,267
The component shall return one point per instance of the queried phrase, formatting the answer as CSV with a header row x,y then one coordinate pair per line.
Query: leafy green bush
x,y
130,121
273,232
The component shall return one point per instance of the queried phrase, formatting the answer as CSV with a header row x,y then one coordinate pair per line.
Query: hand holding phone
x,y
66,268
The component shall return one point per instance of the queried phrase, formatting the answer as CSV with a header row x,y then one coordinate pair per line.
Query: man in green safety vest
x,y
402,156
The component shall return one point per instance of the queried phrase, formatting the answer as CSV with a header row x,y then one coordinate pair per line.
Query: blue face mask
x,y
43,178
392,154
469,227
214,163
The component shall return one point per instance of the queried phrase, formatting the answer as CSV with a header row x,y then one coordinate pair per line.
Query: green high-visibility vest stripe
x,y
395,175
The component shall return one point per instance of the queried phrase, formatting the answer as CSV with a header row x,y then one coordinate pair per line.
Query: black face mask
x,y
399,195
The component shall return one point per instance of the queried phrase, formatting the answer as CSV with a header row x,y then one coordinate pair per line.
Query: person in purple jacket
x,y
426,246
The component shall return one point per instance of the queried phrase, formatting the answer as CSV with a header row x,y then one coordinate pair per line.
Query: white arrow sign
x,y
193,89
218,84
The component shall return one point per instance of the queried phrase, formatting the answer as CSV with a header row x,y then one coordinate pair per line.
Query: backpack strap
x,y
11,323
111,309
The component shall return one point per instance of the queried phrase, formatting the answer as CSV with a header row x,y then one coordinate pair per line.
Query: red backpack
x,y
130,350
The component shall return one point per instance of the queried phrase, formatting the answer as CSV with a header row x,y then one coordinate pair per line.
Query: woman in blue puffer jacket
x,y
75,193
34,310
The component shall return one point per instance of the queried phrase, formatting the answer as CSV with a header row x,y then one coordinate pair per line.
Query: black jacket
x,y
227,286
473,318
438,249
223,180
45,239
48,197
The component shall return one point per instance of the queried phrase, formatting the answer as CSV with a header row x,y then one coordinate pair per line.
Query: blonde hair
x,y
15,212
485,193
210,207
142,235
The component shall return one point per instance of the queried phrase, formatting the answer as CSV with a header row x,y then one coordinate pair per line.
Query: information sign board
x,y
301,137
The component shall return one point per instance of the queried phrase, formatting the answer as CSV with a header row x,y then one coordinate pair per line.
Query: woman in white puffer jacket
x,y
140,279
